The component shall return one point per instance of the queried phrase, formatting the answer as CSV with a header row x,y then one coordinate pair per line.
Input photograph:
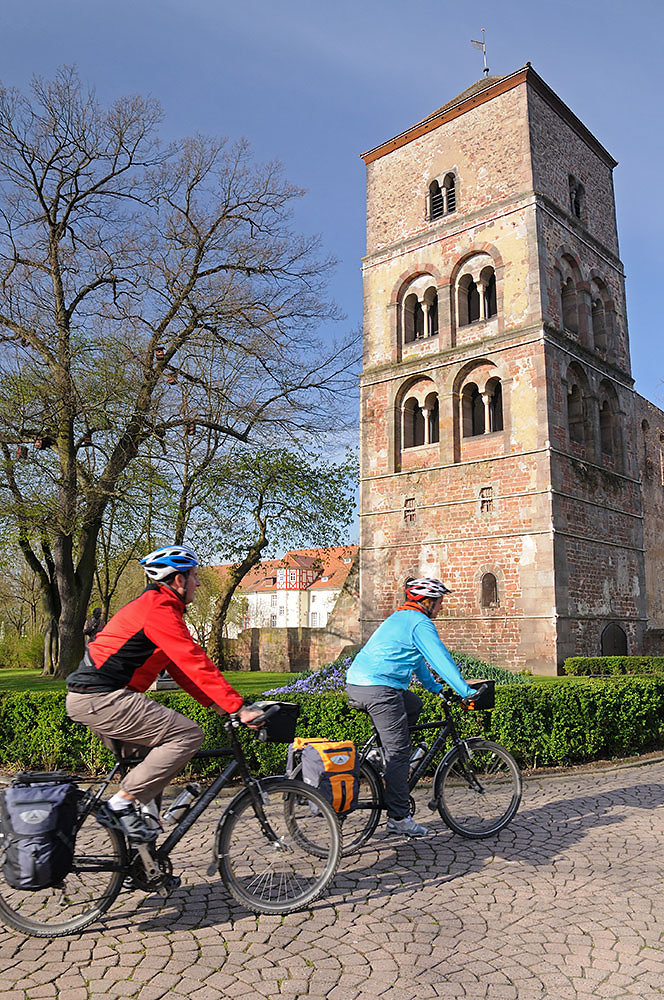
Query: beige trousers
x,y
137,721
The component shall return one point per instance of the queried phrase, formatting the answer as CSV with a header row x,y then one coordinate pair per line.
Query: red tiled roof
x,y
332,563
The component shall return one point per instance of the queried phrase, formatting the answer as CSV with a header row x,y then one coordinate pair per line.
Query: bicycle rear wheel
x,y
478,789
81,898
358,825
280,855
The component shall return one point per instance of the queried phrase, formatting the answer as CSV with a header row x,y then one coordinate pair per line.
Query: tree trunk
x,y
236,574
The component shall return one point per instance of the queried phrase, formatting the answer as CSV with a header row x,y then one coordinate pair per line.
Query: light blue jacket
x,y
402,646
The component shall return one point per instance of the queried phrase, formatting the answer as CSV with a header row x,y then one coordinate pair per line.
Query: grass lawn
x,y
248,683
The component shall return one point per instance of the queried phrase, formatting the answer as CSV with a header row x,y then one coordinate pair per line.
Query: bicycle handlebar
x,y
469,701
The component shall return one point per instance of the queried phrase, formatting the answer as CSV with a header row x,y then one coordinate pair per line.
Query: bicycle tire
x,y
471,811
359,825
81,898
282,875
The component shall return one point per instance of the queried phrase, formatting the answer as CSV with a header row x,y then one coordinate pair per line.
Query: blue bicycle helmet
x,y
164,562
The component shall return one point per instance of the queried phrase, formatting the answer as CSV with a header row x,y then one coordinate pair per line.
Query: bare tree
x,y
147,293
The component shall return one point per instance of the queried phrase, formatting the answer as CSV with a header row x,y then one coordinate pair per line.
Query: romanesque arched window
x,y
489,591
575,417
611,439
477,299
419,310
494,391
601,316
570,311
441,198
420,422
473,410
413,424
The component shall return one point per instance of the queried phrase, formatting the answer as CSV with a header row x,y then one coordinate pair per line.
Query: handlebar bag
x,y
331,767
37,833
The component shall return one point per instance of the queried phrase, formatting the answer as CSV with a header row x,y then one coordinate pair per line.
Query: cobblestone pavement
x,y
567,903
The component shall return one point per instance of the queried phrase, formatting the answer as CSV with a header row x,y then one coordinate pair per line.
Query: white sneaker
x,y
407,827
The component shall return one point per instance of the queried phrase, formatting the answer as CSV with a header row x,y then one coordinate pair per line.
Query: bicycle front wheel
x,y
278,854
478,789
81,898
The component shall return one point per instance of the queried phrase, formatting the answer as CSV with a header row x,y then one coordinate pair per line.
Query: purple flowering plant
x,y
332,677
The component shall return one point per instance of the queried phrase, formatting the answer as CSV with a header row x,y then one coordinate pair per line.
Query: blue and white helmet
x,y
164,562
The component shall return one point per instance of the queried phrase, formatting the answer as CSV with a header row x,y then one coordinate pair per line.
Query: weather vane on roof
x,y
481,45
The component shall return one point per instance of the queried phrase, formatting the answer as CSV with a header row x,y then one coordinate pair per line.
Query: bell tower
x,y
497,399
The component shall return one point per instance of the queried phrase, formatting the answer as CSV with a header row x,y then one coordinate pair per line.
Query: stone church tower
x,y
497,404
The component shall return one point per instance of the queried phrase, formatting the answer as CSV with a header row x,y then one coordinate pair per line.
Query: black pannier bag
x,y
37,831
280,724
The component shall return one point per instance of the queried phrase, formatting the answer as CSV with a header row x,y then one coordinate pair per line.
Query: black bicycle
x,y
476,786
262,849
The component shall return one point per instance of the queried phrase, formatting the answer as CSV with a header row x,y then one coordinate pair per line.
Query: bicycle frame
x,y
236,766
447,731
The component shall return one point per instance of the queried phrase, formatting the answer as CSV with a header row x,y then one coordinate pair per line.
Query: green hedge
x,y
605,666
552,724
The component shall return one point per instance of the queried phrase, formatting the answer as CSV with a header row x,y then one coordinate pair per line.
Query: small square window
x,y
409,511
282,611
273,621
314,619
273,600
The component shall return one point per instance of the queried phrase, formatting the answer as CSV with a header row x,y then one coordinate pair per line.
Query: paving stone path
x,y
567,903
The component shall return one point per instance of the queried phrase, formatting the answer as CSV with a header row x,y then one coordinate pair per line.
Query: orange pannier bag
x,y
331,767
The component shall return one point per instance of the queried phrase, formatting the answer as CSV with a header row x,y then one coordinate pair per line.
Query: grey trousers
x,y
137,721
392,712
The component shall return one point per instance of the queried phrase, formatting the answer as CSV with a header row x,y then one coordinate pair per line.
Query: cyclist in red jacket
x,y
105,692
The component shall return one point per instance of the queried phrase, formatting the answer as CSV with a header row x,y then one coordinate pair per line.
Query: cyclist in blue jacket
x,y
378,680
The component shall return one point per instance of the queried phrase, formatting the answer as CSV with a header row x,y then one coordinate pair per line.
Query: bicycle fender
x,y
439,770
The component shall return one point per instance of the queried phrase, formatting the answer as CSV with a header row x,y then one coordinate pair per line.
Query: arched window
x,y
409,305
609,425
490,301
449,187
432,317
473,411
489,598
495,391
569,306
599,325
441,200
606,428
433,417
419,310
473,302
575,419
413,424
614,641
436,201
477,298
418,321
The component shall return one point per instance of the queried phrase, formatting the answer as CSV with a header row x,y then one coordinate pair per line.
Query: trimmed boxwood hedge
x,y
605,666
541,724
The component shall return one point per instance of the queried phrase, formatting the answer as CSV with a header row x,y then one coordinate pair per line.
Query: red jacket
x,y
146,636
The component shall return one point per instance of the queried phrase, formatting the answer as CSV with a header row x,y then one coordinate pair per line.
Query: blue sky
x,y
315,84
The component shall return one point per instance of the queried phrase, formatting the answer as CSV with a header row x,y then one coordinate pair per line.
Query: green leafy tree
x,y
276,497
148,294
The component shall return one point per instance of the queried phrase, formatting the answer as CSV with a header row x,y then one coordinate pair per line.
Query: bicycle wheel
x,y
88,891
358,825
266,861
478,790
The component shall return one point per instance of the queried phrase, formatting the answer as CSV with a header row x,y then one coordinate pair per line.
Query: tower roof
x,y
485,90
475,88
